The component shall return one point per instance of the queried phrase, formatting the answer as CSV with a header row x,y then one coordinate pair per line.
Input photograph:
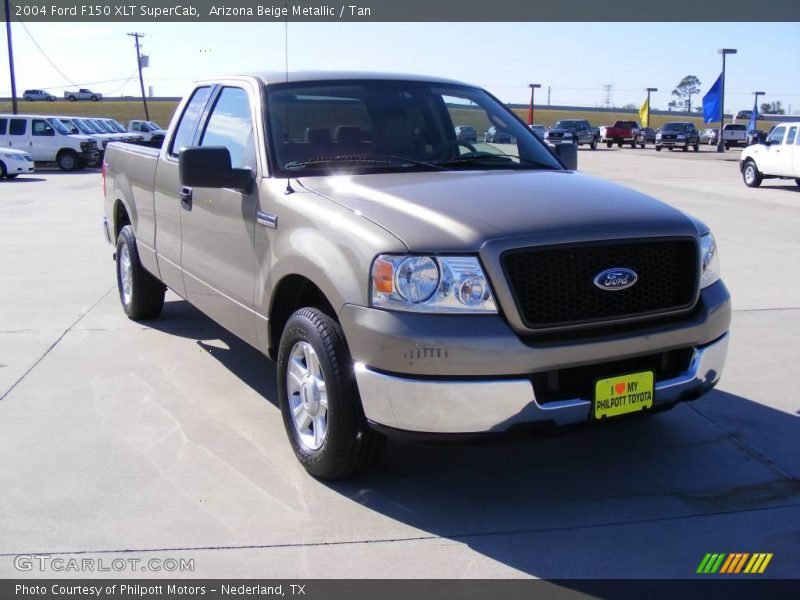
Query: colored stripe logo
x,y
734,563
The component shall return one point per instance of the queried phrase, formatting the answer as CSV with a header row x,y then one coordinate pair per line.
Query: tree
x,y
772,108
688,87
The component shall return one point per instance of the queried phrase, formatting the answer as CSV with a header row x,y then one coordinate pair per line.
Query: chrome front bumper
x,y
476,406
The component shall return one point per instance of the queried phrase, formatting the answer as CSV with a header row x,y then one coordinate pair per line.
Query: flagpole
x,y
648,104
721,142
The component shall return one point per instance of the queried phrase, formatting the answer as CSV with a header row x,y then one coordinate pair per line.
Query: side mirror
x,y
568,155
210,167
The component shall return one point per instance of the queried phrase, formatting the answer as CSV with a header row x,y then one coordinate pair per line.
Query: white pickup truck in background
x,y
777,157
82,94
734,134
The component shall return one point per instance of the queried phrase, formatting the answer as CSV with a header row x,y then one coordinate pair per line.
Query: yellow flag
x,y
643,114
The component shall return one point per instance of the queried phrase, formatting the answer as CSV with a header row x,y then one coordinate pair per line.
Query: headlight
x,y
84,146
431,284
709,261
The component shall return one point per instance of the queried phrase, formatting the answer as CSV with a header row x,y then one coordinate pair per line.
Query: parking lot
x,y
121,439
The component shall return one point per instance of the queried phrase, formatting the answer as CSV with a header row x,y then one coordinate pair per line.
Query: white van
x,y
47,140
778,156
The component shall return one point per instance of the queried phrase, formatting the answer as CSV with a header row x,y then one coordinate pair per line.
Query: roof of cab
x,y
276,77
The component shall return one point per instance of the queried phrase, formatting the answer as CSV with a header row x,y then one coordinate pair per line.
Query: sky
x,y
574,59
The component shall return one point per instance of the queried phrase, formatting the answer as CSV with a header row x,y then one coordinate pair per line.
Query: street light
x,y
648,104
533,86
721,142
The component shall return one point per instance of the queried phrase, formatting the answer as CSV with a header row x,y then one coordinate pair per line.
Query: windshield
x,y
567,125
116,126
87,126
59,126
373,125
103,126
675,127
150,126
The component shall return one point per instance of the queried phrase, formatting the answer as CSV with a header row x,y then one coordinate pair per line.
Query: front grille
x,y
553,286
670,137
578,382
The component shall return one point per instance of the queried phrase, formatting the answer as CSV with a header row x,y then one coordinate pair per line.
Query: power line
x,y
47,58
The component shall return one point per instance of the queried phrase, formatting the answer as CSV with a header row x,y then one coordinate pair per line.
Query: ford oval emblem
x,y
613,280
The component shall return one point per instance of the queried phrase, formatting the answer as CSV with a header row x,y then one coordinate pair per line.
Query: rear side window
x,y
3,126
18,127
230,125
187,126
791,136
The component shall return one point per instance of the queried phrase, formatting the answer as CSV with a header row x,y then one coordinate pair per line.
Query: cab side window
x,y
187,127
230,125
3,126
791,136
18,127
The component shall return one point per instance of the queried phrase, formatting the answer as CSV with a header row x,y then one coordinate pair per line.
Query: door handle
x,y
186,198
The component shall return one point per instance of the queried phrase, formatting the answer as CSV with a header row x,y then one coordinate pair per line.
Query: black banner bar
x,y
404,10
375,589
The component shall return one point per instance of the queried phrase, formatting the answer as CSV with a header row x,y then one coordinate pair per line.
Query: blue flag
x,y
751,126
712,103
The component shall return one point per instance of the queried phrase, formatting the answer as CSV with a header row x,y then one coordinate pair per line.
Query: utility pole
x,y
548,95
136,36
11,59
533,87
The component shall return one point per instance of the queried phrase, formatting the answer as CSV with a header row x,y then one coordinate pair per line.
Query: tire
x,y
94,98
750,175
3,171
72,98
14,176
686,148
141,294
696,147
27,98
658,148
330,437
593,145
609,144
51,99
727,146
633,143
68,161
619,144
671,148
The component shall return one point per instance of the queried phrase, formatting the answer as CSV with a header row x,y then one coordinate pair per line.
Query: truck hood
x,y
560,130
462,210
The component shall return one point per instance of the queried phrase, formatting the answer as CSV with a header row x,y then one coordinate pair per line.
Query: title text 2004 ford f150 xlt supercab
x,y
405,280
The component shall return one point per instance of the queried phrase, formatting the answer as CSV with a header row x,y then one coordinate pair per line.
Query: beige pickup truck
x,y
405,281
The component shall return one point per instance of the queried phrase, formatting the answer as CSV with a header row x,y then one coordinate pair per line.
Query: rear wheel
x,y
319,399
752,178
3,171
141,294
609,144
696,147
593,145
658,148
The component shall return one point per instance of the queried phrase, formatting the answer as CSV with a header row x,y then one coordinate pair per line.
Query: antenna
x,y
289,189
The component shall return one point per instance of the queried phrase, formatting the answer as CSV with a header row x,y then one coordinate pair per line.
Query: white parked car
x,y
151,131
778,156
46,139
14,162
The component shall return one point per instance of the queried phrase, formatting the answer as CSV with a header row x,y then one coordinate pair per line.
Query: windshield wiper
x,y
471,158
375,159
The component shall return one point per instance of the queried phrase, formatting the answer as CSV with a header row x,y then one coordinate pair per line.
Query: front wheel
x,y
752,178
68,161
696,147
593,145
319,399
609,144
141,294
658,148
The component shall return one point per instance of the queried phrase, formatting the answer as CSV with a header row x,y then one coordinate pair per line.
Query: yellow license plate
x,y
623,394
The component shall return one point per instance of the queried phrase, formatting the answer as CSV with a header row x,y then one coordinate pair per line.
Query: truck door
x,y
218,228
788,160
796,156
769,161
44,140
167,205
18,136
